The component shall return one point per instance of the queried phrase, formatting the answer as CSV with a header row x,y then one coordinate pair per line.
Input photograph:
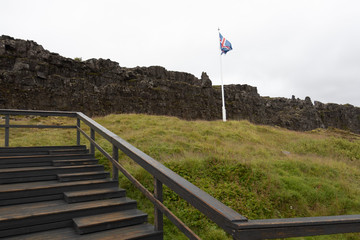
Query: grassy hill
x,y
259,171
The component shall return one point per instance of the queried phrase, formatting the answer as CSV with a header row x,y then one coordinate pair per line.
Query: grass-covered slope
x,y
259,171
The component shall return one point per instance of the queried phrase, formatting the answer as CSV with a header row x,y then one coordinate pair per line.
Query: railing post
x,y
115,156
7,128
92,146
78,132
158,216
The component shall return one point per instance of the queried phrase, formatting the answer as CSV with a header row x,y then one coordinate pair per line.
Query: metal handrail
x,y
155,199
218,212
297,227
232,222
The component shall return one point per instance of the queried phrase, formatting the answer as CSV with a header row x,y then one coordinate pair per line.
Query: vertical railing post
x,y
115,156
7,130
158,216
92,146
78,132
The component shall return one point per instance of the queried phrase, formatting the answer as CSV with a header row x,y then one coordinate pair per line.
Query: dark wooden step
x,y
39,158
27,179
29,230
93,194
36,161
36,214
42,198
143,231
67,177
20,163
26,164
46,159
45,188
14,151
68,151
74,162
13,175
106,221
45,153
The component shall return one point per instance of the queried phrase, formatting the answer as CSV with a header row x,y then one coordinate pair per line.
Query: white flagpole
x,y
222,91
222,88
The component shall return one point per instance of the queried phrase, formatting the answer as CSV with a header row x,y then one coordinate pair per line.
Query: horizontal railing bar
x,y
37,113
37,126
175,220
208,205
297,227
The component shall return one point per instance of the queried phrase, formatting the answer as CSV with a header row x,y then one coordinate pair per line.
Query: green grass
x,y
259,171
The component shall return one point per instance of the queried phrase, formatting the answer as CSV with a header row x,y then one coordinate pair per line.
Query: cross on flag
x,y
225,45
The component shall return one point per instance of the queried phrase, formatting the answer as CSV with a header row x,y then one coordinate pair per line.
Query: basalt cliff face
x,y
34,78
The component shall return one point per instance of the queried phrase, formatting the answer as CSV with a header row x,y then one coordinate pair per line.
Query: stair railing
x,y
238,226
10,112
221,214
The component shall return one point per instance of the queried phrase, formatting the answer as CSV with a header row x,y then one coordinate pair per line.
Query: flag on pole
x,y
225,45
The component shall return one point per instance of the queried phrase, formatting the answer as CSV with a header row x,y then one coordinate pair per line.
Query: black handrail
x,y
218,212
232,222
297,227
156,199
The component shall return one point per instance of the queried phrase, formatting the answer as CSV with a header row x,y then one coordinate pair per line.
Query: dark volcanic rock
x,y
34,78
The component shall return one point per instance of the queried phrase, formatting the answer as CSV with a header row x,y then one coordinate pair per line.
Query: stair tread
x,y
43,173
140,231
93,191
71,162
32,149
70,177
45,156
7,188
28,210
80,174
74,160
19,162
66,150
107,217
11,170
44,152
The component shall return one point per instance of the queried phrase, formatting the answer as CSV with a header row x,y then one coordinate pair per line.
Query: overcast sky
x,y
283,47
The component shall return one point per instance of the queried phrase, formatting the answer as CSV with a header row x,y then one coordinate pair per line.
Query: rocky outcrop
x,y
34,78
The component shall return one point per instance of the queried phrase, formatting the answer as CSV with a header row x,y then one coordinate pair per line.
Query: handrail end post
x,y
78,131
158,215
92,146
116,158
7,130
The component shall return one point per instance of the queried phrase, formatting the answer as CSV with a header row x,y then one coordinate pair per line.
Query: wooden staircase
x,y
63,193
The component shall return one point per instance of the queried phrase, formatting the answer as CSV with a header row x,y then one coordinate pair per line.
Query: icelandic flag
x,y
225,45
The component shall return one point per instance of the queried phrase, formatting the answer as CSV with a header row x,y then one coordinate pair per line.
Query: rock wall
x,y
34,78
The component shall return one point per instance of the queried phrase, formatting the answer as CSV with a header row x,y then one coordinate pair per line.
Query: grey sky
x,y
283,47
